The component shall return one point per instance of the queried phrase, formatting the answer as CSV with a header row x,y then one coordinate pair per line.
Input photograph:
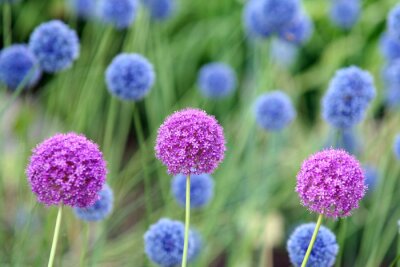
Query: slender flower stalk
x,y
313,238
55,237
187,223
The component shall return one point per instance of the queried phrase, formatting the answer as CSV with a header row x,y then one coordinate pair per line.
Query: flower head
x,y
371,177
393,23
391,73
201,189
396,146
331,182
18,66
254,19
390,47
83,8
274,111
130,77
392,95
120,13
279,13
164,243
216,80
55,45
190,142
349,93
323,252
160,9
299,30
67,169
100,209
345,13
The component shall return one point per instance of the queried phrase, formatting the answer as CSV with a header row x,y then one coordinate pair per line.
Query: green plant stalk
x,y
313,238
55,237
6,24
342,243
187,223
85,245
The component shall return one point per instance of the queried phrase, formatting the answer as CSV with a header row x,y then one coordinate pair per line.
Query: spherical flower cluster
x,y
331,182
299,30
83,8
67,169
160,9
120,13
396,146
254,21
190,142
394,22
130,77
371,177
216,80
164,243
345,139
201,189
390,47
345,13
278,13
55,45
283,53
390,75
100,209
323,252
274,111
18,67
349,93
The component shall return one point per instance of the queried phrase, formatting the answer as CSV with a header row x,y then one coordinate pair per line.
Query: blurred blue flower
x,y
392,96
216,80
349,93
390,47
371,177
345,13
120,13
396,146
279,13
391,73
100,209
18,66
83,8
299,30
164,243
130,77
201,189
274,111
55,45
345,139
283,53
160,9
254,20
324,251
393,23
198,245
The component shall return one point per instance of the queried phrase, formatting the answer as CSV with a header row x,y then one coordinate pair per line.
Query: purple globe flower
x,y
120,13
390,47
345,13
190,142
299,30
18,66
393,23
331,182
67,169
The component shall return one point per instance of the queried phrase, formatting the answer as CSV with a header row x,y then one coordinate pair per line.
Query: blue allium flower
x,y
278,13
345,13
120,13
371,177
160,9
201,189
392,96
100,209
349,93
274,111
254,20
55,45
18,66
299,30
394,22
345,139
324,251
396,146
390,47
130,77
391,73
164,243
83,8
283,53
216,80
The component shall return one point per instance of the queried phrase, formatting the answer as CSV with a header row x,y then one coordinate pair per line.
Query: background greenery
x,y
255,207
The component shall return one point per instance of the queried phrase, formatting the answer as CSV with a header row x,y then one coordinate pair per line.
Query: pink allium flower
x,y
331,182
190,142
67,169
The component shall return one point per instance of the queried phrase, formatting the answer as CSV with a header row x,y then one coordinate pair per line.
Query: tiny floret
x,y
299,30
55,45
274,111
344,13
331,182
164,243
83,8
160,9
100,209
18,67
394,22
216,80
67,169
323,252
348,96
120,13
190,142
130,77
201,189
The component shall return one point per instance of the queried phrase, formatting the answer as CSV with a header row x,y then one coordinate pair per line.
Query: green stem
x,y
55,237
187,222
342,239
108,135
85,246
6,24
314,237
396,260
